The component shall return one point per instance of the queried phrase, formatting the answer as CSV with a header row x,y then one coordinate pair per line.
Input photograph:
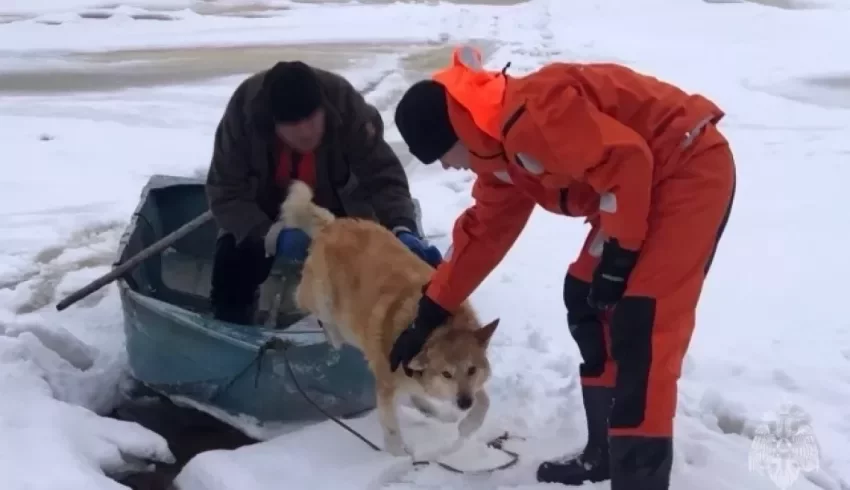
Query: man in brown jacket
x,y
295,121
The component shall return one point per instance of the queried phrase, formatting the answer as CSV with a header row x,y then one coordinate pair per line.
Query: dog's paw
x,y
455,447
468,426
333,336
335,343
475,418
394,445
431,411
425,408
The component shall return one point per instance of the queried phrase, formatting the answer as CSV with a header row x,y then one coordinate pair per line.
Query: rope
x,y
256,361
280,345
494,444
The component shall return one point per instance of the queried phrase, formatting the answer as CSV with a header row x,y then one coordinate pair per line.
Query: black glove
x,y
578,308
611,275
409,343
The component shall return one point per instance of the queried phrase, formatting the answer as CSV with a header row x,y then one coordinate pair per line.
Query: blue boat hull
x,y
176,348
177,353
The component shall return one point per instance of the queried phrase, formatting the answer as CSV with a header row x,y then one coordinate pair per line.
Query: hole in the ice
x,y
830,91
245,15
731,423
247,10
789,4
167,66
9,18
784,381
95,15
834,82
152,16
102,15
728,417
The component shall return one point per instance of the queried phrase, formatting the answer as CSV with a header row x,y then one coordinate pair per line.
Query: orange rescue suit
x,y
640,158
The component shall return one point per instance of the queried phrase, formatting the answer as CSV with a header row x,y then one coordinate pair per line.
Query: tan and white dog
x,y
364,285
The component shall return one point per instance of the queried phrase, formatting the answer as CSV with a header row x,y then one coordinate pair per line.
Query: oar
x,y
121,269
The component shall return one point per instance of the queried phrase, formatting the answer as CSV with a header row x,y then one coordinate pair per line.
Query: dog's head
x,y
453,364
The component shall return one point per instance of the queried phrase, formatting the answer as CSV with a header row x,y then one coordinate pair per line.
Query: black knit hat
x,y
293,91
422,118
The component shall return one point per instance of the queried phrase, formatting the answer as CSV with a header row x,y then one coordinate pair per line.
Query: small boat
x,y
177,349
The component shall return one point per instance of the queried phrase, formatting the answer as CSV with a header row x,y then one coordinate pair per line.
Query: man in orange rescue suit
x,y
644,162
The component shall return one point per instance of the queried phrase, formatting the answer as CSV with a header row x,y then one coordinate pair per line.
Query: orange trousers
x,y
638,348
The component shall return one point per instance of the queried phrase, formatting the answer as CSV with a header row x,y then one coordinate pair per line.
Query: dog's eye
x,y
471,371
447,375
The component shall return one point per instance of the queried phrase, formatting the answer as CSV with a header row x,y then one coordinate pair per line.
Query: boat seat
x,y
186,273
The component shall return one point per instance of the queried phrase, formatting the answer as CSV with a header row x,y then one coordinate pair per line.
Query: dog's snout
x,y
464,402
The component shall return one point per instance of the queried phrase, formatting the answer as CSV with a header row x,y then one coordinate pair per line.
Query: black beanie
x,y
422,118
293,91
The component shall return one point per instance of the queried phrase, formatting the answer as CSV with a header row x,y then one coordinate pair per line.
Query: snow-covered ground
x,y
85,122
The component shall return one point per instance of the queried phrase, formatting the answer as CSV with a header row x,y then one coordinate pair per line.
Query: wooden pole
x,y
137,259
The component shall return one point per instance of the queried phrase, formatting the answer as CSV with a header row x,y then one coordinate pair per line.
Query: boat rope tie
x,y
257,361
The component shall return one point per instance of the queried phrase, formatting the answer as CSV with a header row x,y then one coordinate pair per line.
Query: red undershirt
x,y
292,166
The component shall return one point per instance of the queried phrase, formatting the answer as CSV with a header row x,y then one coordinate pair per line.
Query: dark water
x,y
188,432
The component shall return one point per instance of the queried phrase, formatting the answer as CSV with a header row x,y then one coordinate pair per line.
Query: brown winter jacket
x,y
357,172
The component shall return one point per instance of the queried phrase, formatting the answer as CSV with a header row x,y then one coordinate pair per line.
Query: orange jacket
x,y
577,139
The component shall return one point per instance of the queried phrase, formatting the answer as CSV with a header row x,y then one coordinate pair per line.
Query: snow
x,y
768,335
48,378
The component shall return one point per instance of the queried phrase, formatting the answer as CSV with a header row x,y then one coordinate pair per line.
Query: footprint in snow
x,y
92,246
459,183
58,340
536,342
785,381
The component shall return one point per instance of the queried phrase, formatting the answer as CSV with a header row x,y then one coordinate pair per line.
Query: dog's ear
x,y
417,363
485,333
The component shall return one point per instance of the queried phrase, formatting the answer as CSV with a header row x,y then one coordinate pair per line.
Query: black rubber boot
x,y
240,315
238,271
592,465
641,463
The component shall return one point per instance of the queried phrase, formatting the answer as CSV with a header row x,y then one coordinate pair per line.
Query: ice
x,y
48,379
97,96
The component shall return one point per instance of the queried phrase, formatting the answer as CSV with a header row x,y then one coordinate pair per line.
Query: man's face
x,y
457,158
305,135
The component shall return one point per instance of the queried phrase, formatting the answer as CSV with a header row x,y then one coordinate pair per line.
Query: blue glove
x,y
420,247
292,244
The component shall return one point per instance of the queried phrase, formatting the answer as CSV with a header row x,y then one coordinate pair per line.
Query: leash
x,y
279,345
496,443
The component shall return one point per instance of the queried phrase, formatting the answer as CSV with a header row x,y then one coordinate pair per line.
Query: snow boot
x,y
592,465
640,462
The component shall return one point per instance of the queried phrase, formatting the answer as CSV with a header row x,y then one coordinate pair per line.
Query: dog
x,y
364,285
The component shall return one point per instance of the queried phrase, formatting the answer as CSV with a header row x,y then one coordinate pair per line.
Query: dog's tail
x,y
298,210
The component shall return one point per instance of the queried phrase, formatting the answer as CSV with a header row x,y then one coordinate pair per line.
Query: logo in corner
x,y
784,446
